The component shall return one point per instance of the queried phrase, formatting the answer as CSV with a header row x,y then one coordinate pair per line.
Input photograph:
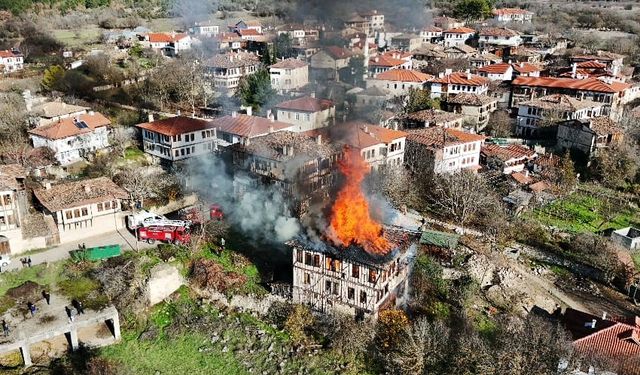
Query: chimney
x,y
376,59
150,117
593,324
87,189
319,139
290,150
604,315
522,64
47,185
272,118
271,129
178,112
28,99
574,70
313,94
249,111
91,113
447,72
468,72
234,114
268,113
526,173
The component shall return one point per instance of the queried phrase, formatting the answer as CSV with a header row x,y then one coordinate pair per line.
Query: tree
x,y
473,10
562,175
418,100
52,78
282,47
356,69
614,166
298,323
138,185
500,124
266,57
255,90
119,139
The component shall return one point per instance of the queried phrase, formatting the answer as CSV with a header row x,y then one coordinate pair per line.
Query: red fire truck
x,y
165,233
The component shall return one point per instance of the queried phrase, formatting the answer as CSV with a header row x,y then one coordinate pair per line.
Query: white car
x,y
5,261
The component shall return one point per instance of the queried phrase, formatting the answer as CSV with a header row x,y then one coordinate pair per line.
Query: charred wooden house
x,y
351,280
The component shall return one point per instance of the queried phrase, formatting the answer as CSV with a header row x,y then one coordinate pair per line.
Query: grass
x,y
580,212
636,259
133,153
50,274
83,39
233,262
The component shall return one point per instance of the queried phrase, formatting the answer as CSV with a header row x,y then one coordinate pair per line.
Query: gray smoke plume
x,y
258,211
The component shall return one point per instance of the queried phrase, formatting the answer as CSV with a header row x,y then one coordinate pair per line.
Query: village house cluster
x,y
330,97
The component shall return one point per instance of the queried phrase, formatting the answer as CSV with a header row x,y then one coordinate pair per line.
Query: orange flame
x,y
351,222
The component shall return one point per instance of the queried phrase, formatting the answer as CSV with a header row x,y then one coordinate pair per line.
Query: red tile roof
x,y
248,32
71,126
358,134
403,75
385,61
460,30
438,138
233,60
592,65
498,32
525,67
402,55
510,11
338,52
7,53
590,84
500,68
306,104
248,126
509,152
461,78
79,193
432,29
176,125
165,37
289,64
521,178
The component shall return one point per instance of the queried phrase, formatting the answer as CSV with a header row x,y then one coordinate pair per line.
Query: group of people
x,y
26,261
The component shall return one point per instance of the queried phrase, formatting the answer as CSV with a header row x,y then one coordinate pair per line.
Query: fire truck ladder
x,y
166,222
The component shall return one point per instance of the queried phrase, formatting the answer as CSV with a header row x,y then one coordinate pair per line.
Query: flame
x,y
351,222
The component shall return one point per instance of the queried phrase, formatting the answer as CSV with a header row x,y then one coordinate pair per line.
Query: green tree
x,y
418,100
52,78
473,10
283,47
615,166
266,57
356,69
255,90
563,175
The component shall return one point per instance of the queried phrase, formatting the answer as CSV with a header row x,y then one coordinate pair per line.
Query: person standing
x,y
69,313
5,328
29,261
47,296
222,243
32,308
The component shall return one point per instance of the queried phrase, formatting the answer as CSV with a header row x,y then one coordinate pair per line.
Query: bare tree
x,y
138,185
500,124
120,140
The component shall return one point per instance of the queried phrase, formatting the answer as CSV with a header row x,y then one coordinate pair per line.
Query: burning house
x,y
355,265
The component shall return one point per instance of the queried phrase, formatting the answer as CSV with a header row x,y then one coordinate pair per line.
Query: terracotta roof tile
x,y
510,11
438,138
521,178
176,125
9,176
591,65
461,78
248,126
525,67
338,52
432,29
498,31
433,116
233,60
289,64
305,147
500,68
359,134
306,104
467,98
165,37
79,193
561,102
403,75
385,61
460,30
7,53
71,126
509,152
591,84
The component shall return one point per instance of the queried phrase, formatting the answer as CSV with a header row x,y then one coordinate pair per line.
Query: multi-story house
x,y
327,63
399,81
475,108
13,207
178,138
431,117
228,68
497,72
406,42
51,112
507,159
612,61
73,138
88,206
498,37
299,166
431,34
169,44
299,34
246,25
551,109
374,19
612,94
525,69
306,113
239,128
588,135
349,280
289,74
205,28
445,23
512,15
439,150
457,36
385,62
11,61
450,83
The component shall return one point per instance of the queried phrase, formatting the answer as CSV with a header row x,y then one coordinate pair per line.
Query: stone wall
x,y
164,280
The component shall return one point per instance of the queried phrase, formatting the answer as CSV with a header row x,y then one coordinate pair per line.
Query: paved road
x,y
122,237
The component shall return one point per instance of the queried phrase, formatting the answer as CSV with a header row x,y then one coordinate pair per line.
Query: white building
x,y
239,128
375,20
388,61
178,138
289,74
169,44
457,36
306,113
11,61
206,28
588,135
497,72
431,34
476,108
83,208
512,15
50,112
498,37
439,150
452,83
399,81
13,209
507,159
73,138
227,69
551,109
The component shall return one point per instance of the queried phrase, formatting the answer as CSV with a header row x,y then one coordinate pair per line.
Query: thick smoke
x,y
258,211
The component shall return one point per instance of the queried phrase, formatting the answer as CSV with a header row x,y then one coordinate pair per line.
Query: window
x,y
363,296
299,256
355,271
307,259
182,152
335,288
107,205
327,286
68,215
204,134
307,278
351,293
100,207
373,275
85,211
76,213
316,260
